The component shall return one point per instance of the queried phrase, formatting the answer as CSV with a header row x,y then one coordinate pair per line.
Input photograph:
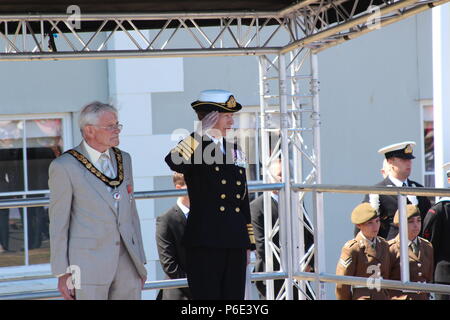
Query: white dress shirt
x,y
183,208
399,183
216,141
275,196
373,243
94,156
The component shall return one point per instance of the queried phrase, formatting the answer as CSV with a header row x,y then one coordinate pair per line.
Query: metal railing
x,y
404,284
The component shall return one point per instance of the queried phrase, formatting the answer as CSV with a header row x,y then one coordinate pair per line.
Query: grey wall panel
x,y
236,74
425,55
369,99
51,86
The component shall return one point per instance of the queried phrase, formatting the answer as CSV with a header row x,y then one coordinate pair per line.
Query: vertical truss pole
x,y
265,154
319,228
403,230
297,171
285,202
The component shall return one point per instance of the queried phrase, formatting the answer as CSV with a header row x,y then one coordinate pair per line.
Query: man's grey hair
x,y
91,113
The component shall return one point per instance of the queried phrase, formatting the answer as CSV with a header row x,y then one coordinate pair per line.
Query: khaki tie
x,y
414,248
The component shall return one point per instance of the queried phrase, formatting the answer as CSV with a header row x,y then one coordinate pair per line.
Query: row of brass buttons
x,y
237,182
223,195
222,208
218,169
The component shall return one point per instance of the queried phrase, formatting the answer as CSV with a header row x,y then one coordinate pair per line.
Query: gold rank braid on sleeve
x,y
251,233
186,147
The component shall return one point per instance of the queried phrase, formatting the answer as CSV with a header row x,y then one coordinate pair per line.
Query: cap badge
x,y
408,149
231,102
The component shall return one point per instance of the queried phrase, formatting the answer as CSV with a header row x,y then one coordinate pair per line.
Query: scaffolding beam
x,y
315,24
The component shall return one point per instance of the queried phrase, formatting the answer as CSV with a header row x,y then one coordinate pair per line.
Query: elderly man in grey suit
x,y
95,236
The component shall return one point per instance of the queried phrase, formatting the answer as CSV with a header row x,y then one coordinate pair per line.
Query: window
x,y
428,143
27,146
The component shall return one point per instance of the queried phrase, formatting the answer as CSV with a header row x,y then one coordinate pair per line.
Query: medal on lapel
x,y
116,195
239,158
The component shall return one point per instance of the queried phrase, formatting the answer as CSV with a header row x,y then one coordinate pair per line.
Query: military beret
x,y
216,100
399,150
363,213
411,211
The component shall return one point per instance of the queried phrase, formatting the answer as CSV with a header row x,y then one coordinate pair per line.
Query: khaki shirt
x,y
420,268
359,259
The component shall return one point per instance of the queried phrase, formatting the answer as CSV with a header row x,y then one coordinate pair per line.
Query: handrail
x,y
140,195
150,285
258,187
414,191
383,283
259,276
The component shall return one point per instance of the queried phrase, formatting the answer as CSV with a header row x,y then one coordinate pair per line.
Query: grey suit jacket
x,y
86,227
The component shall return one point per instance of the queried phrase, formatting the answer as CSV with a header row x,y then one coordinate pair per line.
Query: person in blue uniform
x,y
399,158
219,234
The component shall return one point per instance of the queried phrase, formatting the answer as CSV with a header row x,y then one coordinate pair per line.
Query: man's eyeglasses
x,y
111,128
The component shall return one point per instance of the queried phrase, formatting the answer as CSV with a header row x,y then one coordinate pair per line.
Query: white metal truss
x,y
315,24
286,42
289,94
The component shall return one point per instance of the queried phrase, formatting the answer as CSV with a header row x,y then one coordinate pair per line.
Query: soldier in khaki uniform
x,y
367,255
420,253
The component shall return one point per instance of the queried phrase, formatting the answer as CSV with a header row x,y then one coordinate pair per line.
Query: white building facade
x,y
375,90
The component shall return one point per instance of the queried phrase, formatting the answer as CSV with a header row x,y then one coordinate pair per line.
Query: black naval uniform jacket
x,y
436,228
389,205
219,215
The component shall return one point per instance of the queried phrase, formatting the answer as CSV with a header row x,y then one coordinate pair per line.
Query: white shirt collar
x,y
275,196
216,141
416,242
93,154
374,242
397,182
183,208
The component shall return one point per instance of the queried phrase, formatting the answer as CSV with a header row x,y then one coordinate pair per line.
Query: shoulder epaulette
x,y
392,242
381,239
350,243
424,240
186,147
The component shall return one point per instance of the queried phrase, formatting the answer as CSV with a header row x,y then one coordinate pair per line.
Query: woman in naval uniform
x,y
219,233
